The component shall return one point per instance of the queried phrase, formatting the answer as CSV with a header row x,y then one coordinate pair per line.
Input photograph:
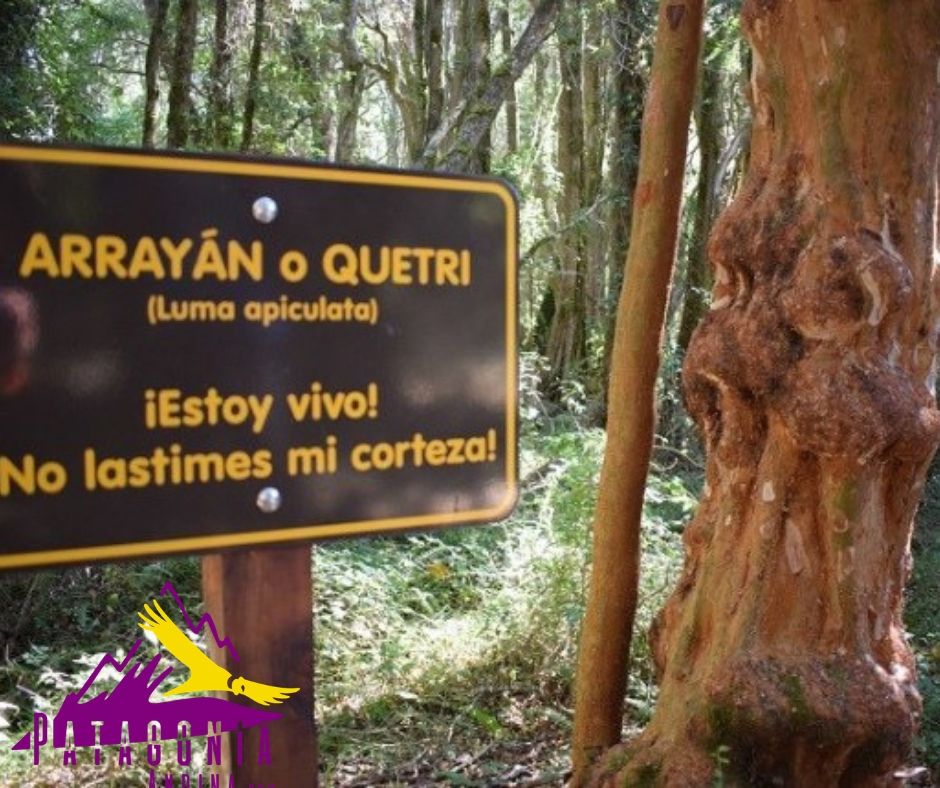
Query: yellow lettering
x,y
39,257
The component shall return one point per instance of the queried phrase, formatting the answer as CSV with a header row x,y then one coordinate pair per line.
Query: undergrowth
x,y
445,657
457,648
922,618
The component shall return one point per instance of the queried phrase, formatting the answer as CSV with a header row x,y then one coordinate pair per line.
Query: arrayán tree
x,y
812,381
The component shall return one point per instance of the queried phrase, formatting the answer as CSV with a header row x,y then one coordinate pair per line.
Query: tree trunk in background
x,y
605,635
179,110
472,68
812,381
566,336
254,77
535,124
629,86
434,59
220,75
419,44
512,121
155,46
595,134
351,86
454,145
708,128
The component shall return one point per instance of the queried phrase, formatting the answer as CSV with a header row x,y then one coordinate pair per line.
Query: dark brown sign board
x,y
199,353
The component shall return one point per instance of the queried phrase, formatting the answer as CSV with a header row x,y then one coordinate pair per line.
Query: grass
x,y
447,655
459,647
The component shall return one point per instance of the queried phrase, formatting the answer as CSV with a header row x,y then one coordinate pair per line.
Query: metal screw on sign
x,y
269,500
264,209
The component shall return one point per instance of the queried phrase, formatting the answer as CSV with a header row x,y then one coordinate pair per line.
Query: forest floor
x,y
444,658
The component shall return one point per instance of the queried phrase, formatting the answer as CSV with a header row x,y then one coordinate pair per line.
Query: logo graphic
x,y
131,714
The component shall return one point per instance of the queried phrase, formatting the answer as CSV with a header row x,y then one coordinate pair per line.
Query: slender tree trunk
x,y
179,110
595,134
254,77
483,70
812,380
606,632
472,69
419,44
351,85
624,154
708,127
434,59
512,120
155,46
566,336
220,98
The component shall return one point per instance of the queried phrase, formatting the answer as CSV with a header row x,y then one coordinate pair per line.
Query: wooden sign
x,y
198,353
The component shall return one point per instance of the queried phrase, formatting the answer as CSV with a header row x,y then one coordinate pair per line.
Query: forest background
x,y
445,658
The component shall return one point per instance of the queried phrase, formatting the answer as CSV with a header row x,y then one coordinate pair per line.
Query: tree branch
x,y
460,133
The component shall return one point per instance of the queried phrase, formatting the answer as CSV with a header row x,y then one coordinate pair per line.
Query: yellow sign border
x,y
298,171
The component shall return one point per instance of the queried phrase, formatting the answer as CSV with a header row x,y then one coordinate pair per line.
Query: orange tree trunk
x,y
608,622
812,381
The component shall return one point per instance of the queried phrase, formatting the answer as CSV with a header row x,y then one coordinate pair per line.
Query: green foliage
x,y
474,631
55,625
80,77
448,642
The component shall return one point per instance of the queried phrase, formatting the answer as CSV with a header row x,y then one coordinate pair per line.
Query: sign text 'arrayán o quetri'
x,y
198,353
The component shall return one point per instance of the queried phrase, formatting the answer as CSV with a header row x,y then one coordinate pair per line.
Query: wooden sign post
x,y
244,592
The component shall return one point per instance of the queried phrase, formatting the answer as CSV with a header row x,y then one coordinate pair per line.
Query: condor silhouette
x,y
205,675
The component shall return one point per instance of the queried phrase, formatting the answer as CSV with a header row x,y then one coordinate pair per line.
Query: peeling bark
x,y
812,381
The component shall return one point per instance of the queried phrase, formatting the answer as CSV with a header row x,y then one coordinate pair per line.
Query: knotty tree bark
x,y
812,382
606,632
180,106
